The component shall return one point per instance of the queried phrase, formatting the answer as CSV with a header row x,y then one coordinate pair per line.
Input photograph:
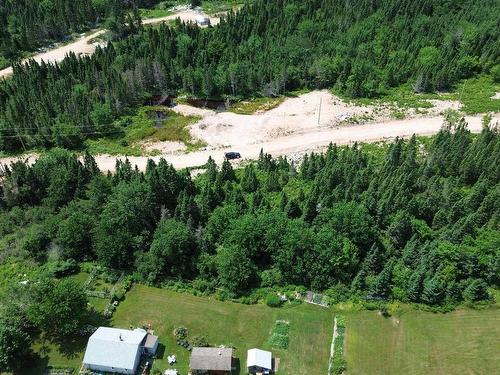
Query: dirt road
x,y
83,45
295,144
306,142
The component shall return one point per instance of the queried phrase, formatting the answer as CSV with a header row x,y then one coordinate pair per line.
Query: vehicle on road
x,y
232,155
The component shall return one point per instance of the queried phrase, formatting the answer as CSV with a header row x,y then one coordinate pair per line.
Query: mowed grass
x,y
231,324
414,343
460,342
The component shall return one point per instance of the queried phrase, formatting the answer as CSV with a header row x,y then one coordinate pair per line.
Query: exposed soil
x,y
291,129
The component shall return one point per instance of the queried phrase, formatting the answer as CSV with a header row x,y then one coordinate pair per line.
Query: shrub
x,y
199,341
180,333
273,300
477,290
119,294
62,268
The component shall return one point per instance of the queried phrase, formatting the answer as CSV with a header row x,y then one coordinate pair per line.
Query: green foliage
x,y
410,220
15,341
279,335
199,341
172,253
181,333
273,300
338,364
57,307
235,269
477,290
368,55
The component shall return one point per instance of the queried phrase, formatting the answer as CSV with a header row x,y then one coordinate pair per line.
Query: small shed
x,y
213,361
151,344
259,361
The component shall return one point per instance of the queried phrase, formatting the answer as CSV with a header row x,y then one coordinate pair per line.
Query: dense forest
x,y
359,47
420,223
414,221
29,24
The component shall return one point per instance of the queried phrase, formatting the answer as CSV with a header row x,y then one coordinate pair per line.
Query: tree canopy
x,y
360,48
417,222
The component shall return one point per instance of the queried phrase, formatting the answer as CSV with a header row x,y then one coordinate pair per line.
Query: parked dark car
x,y
232,155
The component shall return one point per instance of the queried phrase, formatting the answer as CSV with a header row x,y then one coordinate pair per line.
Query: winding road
x,y
84,45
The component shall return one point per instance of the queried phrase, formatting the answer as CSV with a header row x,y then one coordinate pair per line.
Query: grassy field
x,y
461,342
225,323
414,342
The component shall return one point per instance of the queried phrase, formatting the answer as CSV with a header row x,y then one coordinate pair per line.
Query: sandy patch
x,y
165,147
295,127
442,105
496,96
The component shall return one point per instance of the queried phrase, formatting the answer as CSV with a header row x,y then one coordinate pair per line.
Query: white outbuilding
x,y
202,20
115,350
259,361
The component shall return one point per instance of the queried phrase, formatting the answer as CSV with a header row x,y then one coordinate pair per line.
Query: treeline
x,y
29,24
359,47
416,224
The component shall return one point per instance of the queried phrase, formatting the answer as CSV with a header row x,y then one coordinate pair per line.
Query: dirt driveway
x,y
83,45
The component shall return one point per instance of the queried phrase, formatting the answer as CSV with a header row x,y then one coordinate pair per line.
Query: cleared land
x,y
293,128
461,342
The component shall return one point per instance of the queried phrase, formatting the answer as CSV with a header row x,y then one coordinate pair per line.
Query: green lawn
x,y
461,342
227,323
415,342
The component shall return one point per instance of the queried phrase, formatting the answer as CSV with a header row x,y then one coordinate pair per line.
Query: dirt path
x,y
83,45
294,145
300,143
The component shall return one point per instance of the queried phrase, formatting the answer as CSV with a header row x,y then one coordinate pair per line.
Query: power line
x,y
52,135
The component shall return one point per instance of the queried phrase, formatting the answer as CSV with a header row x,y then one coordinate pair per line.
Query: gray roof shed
x,y
211,359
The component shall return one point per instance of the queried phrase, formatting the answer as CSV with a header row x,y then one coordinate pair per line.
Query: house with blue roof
x,y
117,350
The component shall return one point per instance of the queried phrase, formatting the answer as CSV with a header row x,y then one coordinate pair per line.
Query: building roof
x,y
214,359
151,341
259,358
113,347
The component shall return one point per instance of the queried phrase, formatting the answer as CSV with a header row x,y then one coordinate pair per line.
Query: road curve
x,y
83,45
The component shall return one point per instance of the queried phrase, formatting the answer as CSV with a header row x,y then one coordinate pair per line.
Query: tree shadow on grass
x,y
36,365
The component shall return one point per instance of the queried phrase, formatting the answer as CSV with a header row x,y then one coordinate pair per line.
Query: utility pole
x,y
319,112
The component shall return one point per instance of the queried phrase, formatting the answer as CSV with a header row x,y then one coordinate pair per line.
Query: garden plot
x,y
279,335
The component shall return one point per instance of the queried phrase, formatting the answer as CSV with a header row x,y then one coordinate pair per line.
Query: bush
x,y
338,365
477,290
119,294
62,268
199,341
273,300
180,333
495,72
